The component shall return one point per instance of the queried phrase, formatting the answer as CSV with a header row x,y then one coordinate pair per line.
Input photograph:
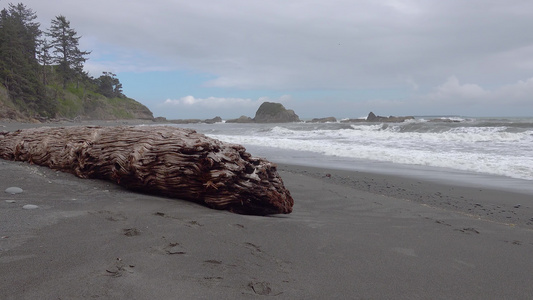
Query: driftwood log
x,y
168,161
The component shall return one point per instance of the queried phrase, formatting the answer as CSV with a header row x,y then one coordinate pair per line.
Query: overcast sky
x,y
342,58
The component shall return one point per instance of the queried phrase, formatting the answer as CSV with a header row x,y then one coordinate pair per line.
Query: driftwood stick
x,y
169,161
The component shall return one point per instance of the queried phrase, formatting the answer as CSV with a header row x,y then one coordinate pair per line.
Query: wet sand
x,y
352,235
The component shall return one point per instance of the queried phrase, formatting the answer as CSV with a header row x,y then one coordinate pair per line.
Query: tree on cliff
x,y
67,55
34,66
109,85
44,57
19,36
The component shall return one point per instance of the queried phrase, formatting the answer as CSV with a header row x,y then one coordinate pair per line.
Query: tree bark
x,y
163,160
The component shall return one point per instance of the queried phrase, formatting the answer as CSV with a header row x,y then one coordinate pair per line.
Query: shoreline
x,y
431,174
485,203
352,234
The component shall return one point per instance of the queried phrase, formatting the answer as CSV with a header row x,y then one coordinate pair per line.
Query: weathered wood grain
x,y
163,160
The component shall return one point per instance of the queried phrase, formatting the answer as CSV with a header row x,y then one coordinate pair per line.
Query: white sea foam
x,y
499,150
487,146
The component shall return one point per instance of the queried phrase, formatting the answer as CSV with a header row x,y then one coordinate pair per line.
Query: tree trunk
x,y
44,75
163,160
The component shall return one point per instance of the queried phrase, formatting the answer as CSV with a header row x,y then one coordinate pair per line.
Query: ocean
x,y
494,152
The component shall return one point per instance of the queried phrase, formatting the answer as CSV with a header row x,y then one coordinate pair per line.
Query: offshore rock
x,y
270,112
241,119
214,120
373,118
163,160
324,120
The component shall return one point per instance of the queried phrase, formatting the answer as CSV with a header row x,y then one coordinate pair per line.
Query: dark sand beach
x,y
352,235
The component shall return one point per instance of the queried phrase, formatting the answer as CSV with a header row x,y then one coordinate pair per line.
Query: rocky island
x,y
272,112
269,112
373,118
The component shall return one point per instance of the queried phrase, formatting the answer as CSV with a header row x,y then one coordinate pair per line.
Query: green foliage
x,y
7,107
18,41
68,56
45,78
70,106
109,85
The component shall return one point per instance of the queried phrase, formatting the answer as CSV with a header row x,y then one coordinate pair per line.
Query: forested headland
x,y
42,75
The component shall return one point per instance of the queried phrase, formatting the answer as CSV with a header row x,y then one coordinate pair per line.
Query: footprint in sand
x,y
119,268
173,248
253,247
213,261
260,287
131,232
468,230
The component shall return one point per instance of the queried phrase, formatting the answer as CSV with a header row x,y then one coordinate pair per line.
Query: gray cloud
x,y
313,44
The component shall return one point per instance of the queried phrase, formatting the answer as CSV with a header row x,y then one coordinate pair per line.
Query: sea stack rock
x,y
163,160
373,118
270,112
324,120
241,119
214,120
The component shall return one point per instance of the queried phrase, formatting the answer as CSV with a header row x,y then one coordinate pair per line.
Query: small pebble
x,y
30,206
517,206
11,201
13,190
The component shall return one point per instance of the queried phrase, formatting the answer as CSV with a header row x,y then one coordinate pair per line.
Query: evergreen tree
x,y
19,34
109,85
44,57
67,54
8,51
26,59
30,31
